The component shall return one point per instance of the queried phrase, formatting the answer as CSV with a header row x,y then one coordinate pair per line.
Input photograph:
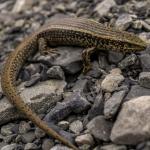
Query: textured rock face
x,y
40,97
133,123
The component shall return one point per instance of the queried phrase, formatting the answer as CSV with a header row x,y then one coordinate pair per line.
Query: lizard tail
x,y
10,72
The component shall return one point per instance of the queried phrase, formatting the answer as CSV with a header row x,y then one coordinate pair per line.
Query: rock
x,y
31,146
39,133
115,57
121,2
132,124
100,128
144,79
112,81
69,59
76,126
22,5
33,81
80,85
113,103
56,72
124,21
8,129
114,147
47,144
24,127
59,147
60,7
95,71
103,7
85,147
97,108
128,61
137,91
9,147
28,137
41,97
145,63
75,103
64,125
84,139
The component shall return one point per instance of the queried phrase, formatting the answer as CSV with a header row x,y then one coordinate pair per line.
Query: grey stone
x,y
112,105
113,147
40,97
124,21
47,144
56,72
22,5
137,91
103,7
145,63
100,128
31,146
144,79
112,81
63,124
69,59
84,139
115,57
28,137
97,108
59,147
9,147
39,133
132,124
7,129
24,127
74,103
128,61
76,126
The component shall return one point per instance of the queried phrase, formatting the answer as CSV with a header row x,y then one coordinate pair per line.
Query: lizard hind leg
x,y
86,59
44,49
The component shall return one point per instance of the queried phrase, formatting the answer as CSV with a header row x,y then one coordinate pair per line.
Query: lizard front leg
x,y
86,58
44,49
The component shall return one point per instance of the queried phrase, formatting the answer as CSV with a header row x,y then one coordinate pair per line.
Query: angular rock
x,y
31,146
59,147
114,147
103,7
28,137
24,127
47,144
145,63
144,79
137,91
8,129
64,125
69,59
112,81
132,125
112,105
97,108
9,147
100,128
124,21
40,97
76,126
115,57
128,61
74,103
56,72
84,139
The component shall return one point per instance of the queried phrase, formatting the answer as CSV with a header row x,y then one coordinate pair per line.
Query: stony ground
x,y
106,109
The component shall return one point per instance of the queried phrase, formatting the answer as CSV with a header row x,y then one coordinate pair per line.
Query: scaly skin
x,y
68,31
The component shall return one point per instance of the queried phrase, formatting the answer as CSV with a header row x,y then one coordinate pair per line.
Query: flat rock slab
x,y
40,97
133,123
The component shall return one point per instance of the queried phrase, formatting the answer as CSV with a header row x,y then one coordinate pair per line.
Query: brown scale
x,y
71,31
